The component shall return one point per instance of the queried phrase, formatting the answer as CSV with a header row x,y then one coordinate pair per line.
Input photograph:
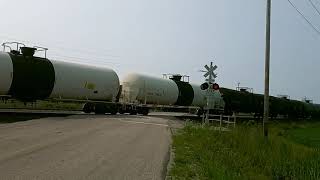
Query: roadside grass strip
x,y
243,153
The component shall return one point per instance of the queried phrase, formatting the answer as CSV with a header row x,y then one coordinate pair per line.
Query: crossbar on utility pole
x,y
267,71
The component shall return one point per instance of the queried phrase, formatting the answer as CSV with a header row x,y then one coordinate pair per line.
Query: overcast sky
x,y
176,36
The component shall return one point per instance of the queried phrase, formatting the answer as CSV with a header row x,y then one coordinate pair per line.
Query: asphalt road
x,y
85,147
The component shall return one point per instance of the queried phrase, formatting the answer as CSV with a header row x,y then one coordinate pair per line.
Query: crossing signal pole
x,y
267,71
210,79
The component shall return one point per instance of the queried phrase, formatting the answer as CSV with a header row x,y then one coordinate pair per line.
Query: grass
x,y
307,135
291,152
41,105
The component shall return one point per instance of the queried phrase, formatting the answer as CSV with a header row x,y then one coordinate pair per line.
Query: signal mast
x,y
214,100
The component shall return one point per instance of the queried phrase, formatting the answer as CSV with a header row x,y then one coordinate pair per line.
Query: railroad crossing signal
x,y
210,72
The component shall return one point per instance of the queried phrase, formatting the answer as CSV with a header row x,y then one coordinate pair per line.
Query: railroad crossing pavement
x,y
85,147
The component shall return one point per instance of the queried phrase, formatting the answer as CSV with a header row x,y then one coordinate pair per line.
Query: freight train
x,y
28,78
139,93
248,102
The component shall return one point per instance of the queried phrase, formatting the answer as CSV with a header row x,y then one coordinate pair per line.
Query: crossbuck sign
x,y
209,73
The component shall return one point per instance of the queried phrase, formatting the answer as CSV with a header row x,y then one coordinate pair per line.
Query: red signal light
x,y
215,86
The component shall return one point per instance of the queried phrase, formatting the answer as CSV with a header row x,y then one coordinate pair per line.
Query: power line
x,y
314,6
306,19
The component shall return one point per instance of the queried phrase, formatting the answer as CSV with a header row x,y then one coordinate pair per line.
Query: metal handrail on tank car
x,y
245,89
7,45
185,78
39,48
19,45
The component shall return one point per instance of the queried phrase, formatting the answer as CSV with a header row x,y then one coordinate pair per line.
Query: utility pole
x,y
267,71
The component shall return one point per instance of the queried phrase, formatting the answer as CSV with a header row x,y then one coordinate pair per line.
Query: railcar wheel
x,y
100,109
144,111
88,108
133,112
113,111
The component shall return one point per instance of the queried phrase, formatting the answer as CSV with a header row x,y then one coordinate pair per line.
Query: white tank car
x,y
30,78
199,99
139,88
6,72
79,81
